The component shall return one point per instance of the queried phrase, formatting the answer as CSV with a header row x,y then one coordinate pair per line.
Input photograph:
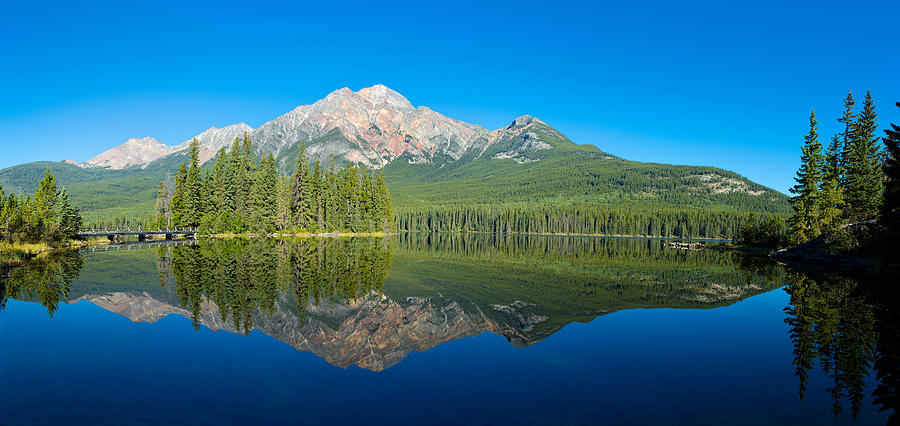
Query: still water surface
x,y
438,329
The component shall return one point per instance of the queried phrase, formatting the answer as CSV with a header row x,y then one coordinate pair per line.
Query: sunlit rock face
x,y
135,152
373,127
214,139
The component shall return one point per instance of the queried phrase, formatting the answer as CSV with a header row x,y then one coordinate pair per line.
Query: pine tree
x,y
46,197
245,195
848,120
283,214
178,197
193,198
831,204
864,180
163,217
231,177
217,202
383,201
890,208
302,189
265,195
318,193
805,222
69,218
834,168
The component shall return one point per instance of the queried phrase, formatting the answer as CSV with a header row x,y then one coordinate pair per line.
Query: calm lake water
x,y
439,329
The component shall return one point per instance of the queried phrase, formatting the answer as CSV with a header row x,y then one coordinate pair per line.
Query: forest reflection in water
x,y
370,302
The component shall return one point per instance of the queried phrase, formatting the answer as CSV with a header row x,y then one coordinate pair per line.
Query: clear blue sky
x,y
718,83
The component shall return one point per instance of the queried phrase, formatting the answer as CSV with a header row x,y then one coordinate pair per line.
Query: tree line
x,y
239,193
45,216
850,180
573,219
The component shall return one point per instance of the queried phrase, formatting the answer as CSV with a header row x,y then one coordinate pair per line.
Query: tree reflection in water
x,y
848,329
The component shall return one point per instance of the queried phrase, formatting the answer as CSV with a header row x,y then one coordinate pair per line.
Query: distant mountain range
x,y
428,158
371,127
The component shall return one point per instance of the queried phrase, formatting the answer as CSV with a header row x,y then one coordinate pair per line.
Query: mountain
x,y
429,160
141,152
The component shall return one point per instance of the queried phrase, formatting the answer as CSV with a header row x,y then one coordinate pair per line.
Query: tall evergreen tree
x,y
283,214
69,218
805,222
265,195
302,189
864,181
834,168
232,177
163,216
318,193
46,196
890,208
848,120
178,196
193,194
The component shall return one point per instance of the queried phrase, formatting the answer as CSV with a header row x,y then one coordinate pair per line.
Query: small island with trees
x,y
239,194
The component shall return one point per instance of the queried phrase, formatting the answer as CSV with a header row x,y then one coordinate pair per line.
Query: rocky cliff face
x,y
372,127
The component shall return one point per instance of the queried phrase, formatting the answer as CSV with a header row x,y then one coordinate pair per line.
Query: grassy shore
x,y
14,254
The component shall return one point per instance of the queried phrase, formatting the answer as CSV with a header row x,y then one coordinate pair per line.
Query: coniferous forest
x,y
853,180
239,193
45,216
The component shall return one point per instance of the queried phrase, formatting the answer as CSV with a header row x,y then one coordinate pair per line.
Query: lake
x,y
439,328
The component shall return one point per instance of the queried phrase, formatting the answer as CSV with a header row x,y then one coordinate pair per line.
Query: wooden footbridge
x,y
116,233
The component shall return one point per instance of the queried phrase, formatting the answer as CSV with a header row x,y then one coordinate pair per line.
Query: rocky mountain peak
x,y
134,152
372,127
523,121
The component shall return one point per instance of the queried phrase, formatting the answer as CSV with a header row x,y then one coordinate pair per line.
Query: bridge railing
x,y
137,230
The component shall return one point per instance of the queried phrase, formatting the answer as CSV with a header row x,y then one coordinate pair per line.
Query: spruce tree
x,y
163,217
302,189
864,179
46,197
178,196
265,195
383,200
805,222
231,178
890,208
318,192
193,195
848,120
69,218
833,165
283,214
217,202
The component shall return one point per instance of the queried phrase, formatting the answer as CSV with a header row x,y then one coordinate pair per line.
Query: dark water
x,y
439,329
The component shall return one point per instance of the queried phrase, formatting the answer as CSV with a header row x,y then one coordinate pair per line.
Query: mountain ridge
x,y
376,125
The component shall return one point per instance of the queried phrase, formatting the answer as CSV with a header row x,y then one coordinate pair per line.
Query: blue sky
x,y
718,83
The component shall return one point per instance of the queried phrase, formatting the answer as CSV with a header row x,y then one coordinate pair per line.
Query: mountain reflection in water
x,y
370,302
